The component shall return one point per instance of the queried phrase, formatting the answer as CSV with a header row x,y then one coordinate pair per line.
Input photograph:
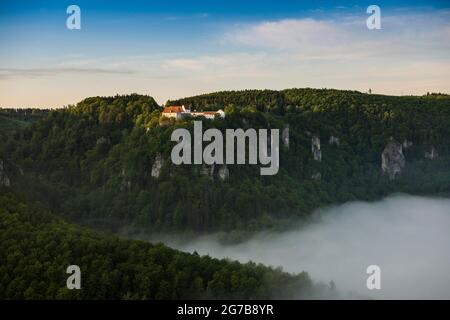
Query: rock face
x,y
4,179
334,140
157,165
432,154
407,144
316,176
102,140
392,159
285,136
220,171
208,170
223,173
315,148
125,184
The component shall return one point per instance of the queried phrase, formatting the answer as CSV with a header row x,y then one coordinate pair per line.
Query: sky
x,y
182,48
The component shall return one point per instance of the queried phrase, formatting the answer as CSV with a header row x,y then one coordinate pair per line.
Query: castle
x,y
179,112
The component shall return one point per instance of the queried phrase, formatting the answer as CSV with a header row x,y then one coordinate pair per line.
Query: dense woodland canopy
x,y
37,247
92,162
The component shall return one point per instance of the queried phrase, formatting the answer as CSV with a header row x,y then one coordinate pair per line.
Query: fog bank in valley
x,y
408,237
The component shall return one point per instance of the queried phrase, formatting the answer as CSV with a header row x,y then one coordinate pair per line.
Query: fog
x,y
408,237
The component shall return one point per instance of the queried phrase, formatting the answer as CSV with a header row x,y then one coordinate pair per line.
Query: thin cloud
x,y
8,73
286,34
404,35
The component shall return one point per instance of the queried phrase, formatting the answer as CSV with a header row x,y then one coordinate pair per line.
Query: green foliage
x,y
37,247
14,119
92,162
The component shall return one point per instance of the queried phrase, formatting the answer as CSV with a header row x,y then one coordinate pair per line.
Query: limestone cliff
x,y
4,179
315,148
223,172
208,170
392,159
285,136
407,144
432,154
220,171
316,176
157,165
334,140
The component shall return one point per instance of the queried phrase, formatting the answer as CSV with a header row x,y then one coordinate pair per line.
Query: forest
x,y
85,178
36,247
93,163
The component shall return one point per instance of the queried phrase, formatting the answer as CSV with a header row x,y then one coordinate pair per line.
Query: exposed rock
x,y
103,140
315,148
407,144
157,165
215,170
316,176
4,179
126,183
223,173
285,136
334,140
432,154
392,159
208,170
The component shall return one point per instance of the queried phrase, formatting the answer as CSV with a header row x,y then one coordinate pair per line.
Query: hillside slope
x,y
36,248
106,161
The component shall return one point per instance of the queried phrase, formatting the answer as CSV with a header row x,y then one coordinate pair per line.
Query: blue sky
x,y
182,48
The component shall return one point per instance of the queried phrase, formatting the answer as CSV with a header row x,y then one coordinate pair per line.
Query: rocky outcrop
x,y
392,159
157,166
315,148
334,140
285,136
316,176
125,184
103,140
223,173
432,154
4,179
407,144
220,171
208,170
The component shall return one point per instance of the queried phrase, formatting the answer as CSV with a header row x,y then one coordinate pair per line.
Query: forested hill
x,y
36,248
14,119
290,100
106,161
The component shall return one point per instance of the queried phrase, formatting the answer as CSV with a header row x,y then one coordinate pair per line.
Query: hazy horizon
x,y
176,98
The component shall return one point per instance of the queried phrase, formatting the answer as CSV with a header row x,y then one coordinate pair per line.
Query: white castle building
x,y
179,112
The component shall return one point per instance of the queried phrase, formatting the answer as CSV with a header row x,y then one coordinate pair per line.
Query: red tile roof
x,y
173,109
